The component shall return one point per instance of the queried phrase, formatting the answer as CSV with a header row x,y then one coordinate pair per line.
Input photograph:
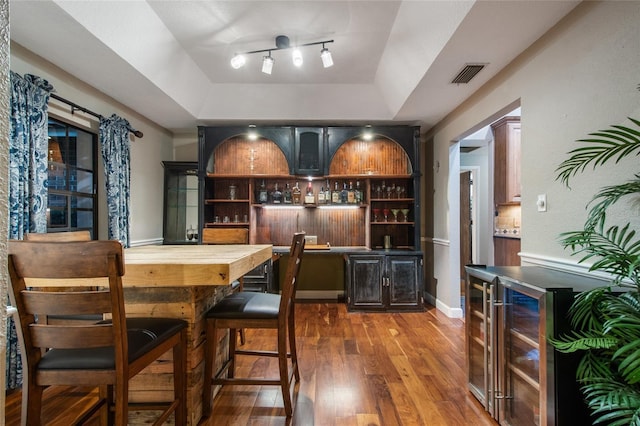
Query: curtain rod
x,y
75,107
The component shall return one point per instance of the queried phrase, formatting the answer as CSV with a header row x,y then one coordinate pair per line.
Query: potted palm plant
x,y
606,321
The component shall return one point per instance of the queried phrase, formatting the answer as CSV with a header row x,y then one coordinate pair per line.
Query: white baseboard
x,y
449,311
149,242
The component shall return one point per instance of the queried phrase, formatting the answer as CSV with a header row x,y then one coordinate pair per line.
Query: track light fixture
x,y
282,43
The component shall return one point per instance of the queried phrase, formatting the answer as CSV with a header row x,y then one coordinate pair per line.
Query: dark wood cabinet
x,y
181,203
261,279
506,251
381,282
506,134
309,151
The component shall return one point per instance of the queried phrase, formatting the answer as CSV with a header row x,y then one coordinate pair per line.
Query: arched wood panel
x,y
379,156
241,156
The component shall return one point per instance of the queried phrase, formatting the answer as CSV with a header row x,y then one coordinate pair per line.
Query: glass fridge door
x,y
478,297
520,373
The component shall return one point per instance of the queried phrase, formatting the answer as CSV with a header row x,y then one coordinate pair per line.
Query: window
x,y
72,181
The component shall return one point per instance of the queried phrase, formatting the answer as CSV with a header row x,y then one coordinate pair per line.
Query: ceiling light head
x,y
327,60
238,61
252,134
296,56
367,135
267,64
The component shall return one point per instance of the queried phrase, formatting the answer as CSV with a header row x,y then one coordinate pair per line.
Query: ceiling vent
x,y
467,73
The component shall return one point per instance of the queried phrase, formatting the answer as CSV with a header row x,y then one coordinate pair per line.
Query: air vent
x,y
467,73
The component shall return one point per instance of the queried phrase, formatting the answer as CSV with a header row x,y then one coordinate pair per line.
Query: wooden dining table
x,y
178,281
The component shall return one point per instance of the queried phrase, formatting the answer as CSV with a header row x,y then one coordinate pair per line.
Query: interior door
x,y
465,222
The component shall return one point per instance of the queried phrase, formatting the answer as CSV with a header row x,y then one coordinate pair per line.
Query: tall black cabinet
x,y
180,219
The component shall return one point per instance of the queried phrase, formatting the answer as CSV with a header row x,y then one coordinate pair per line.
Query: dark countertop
x,y
349,250
507,236
538,277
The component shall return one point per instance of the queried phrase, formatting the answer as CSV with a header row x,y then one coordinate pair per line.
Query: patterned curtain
x,y
114,139
28,148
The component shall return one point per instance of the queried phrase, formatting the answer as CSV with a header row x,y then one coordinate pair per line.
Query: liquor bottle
x,y
309,197
358,193
286,197
351,194
335,195
321,199
263,195
296,194
277,195
344,194
327,193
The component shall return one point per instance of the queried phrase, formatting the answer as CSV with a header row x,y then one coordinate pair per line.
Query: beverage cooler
x,y
512,369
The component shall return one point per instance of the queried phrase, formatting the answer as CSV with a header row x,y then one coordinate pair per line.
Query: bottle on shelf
x,y
335,194
276,197
344,194
351,194
309,197
297,194
321,199
358,193
286,197
263,195
327,193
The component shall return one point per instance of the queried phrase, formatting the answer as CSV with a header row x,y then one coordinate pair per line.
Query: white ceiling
x,y
394,60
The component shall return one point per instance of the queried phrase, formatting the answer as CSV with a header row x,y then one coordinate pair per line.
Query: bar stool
x,y
258,311
106,354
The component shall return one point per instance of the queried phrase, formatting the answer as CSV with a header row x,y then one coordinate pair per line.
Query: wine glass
x,y
386,212
405,213
376,214
399,190
394,212
389,189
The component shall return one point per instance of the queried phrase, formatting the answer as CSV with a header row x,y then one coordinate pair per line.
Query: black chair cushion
x,y
246,304
143,334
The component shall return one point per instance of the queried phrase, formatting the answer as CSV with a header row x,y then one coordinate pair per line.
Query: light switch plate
x,y
542,203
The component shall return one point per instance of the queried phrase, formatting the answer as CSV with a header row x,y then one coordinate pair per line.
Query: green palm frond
x,y
585,312
595,367
576,341
608,196
616,143
613,402
616,250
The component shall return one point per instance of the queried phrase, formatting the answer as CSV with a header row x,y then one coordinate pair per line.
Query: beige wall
x,y
580,77
147,153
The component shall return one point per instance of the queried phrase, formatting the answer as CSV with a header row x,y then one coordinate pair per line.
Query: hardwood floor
x,y
356,369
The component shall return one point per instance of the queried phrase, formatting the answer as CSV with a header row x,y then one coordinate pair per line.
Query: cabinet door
x,y
309,151
180,224
366,283
260,278
403,280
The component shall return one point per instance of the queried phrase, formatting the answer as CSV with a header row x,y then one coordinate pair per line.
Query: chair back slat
x,y
289,285
66,303
61,259
58,236
225,236
72,337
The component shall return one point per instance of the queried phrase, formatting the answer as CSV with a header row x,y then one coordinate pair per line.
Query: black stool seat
x,y
247,305
143,334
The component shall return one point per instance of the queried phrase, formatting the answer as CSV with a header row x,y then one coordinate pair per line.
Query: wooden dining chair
x,y
106,354
254,310
61,237
228,236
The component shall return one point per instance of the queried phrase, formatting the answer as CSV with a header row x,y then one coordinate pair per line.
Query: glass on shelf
x,y
191,233
405,214
386,212
394,213
376,215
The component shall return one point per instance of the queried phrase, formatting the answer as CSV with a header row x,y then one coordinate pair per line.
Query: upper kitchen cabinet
x,y
506,133
309,151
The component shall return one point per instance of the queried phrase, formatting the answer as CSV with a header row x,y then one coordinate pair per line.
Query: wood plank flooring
x,y
356,369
